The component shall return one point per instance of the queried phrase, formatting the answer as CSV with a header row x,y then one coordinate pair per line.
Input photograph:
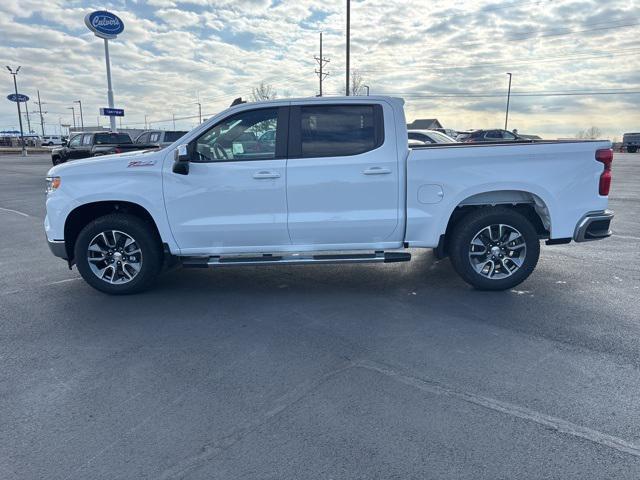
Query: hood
x,y
116,161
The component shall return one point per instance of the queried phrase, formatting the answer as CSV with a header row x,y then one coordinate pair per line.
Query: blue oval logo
x,y
18,97
104,24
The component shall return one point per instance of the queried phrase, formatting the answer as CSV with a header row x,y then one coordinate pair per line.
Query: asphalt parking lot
x,y
320,372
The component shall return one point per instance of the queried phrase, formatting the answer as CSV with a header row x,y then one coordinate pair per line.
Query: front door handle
x,y
376,171
265,174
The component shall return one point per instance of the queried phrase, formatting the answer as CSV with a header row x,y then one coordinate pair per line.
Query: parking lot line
x,y
14,211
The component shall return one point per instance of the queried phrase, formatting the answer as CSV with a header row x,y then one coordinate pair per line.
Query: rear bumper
x,y
594,226
58,248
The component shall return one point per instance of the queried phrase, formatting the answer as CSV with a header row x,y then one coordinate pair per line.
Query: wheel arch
x,y
82,215
529,204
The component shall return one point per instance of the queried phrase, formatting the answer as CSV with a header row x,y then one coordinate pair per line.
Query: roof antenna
x,y
237,101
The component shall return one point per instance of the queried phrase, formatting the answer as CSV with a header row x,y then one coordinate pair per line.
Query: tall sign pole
x,y
348,41
107,26
112,120
18,99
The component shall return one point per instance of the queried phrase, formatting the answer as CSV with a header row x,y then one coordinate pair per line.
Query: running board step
x,y
300,259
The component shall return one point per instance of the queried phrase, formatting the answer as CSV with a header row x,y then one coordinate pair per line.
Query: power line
x,y
501,95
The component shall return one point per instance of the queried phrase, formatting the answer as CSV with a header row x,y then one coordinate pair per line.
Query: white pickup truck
x,y
324,180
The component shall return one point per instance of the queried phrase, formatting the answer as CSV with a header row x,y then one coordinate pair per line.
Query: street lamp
x,y
73,112
15,86
506,117
81,119
367,87
199,111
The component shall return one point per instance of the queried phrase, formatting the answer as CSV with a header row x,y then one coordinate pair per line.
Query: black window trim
x,y
282,125
295,133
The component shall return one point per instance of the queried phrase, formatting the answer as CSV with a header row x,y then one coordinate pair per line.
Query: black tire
x,y
147,242
467,230
55,161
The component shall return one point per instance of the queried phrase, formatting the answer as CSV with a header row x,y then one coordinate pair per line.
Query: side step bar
x,y
299,259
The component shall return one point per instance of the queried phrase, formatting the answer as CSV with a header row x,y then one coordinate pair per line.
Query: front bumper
x,y
58,248
594,226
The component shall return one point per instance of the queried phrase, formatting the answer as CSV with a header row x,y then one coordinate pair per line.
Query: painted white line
x,y
14,211
61,281
548,421
628,237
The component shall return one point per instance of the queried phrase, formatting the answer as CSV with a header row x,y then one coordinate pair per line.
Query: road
x,y
320,372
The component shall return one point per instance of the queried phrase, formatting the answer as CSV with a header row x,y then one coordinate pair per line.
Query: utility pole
x,y
81,118
15,86
321,62
41,117
348,40
73,112
174,120
506,117
145,123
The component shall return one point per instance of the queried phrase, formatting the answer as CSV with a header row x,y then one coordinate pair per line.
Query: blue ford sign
x,y
104,24
18,97
112,112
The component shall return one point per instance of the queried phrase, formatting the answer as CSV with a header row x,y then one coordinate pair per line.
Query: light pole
x,y
41,116
81,119
15,86
367,87
174,120
348,40
73,112
506,117
199,111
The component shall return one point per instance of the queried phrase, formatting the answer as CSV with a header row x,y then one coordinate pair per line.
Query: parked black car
x,y
93,144
631,141
488,136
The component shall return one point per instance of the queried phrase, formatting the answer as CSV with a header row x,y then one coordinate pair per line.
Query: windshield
x,y
111,138
441,137
173,136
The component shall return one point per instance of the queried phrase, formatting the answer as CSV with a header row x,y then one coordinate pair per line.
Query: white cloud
x,y
173,50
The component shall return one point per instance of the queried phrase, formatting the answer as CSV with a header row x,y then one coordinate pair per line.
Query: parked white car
x,y
336,184
51,140
418,137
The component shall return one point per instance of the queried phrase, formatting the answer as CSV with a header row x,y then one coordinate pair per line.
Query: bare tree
x,y
357,83
263,92
591,133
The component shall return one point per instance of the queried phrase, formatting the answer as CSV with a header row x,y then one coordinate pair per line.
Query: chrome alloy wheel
x,y
497,251
114,257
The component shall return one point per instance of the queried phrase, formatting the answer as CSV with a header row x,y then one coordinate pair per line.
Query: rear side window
x,y
173,136
340,130
112,138
86,140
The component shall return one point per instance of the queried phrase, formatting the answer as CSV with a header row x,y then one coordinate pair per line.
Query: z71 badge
x,y
141,163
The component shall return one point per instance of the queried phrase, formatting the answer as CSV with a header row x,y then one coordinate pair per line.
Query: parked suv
x,y
51,140
631,141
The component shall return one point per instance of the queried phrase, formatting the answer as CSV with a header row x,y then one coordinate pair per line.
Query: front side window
x,y
240,137
75,141
338,130
493,134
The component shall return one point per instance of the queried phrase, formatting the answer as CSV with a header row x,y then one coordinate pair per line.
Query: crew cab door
x,y
342,176
233,198
73,150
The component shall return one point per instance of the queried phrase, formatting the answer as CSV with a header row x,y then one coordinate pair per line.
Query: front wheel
x,y
118,254
494,248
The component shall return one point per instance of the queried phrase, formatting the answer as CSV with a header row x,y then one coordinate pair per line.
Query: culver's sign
x,y
104,24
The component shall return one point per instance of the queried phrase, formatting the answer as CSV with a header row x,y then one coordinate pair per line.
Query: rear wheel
x,y
494,248
118,254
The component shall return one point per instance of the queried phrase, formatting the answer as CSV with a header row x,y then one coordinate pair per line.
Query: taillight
x,y
605,155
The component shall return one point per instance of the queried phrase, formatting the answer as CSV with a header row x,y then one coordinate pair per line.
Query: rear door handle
x,y
265,174
376,171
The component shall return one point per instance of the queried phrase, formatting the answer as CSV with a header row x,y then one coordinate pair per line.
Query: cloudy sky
x,y
574,62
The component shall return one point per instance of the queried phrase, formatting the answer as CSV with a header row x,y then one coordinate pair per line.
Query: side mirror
x,y
181,160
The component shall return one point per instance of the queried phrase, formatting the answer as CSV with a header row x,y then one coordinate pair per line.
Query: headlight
x,y
53,183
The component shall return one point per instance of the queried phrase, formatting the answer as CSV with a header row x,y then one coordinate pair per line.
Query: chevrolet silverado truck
x,y
338,184
94,144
